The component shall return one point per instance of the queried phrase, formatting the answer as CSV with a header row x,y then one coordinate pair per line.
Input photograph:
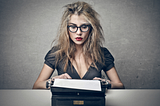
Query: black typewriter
x,y
78,97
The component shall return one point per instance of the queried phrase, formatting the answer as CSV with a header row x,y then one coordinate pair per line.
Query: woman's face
x,y
78,36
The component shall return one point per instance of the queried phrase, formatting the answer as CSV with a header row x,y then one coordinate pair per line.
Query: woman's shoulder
x,y
54,49
106,53
52,52
104,50
50,58
108,59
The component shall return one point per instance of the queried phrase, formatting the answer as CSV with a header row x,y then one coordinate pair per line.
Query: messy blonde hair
x,y
91,47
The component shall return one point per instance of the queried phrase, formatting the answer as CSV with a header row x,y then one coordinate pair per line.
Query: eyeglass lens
x,y
74,28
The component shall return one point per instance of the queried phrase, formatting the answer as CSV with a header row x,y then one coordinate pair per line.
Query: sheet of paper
x,y
94,85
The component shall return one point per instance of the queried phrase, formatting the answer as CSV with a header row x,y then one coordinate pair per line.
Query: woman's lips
x,y
79,38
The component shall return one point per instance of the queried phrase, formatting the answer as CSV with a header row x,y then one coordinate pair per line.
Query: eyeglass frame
x,y
89,26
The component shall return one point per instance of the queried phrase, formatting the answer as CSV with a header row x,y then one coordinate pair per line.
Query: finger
x,y
49,80
108,81
96,78
67,76
64,76
52,79
104,80
56,77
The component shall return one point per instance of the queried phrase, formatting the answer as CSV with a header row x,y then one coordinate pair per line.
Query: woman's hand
x,y
62,76
104,80
44,77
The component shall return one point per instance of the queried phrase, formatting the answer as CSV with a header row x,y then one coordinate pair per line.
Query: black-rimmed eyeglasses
x,y
74,28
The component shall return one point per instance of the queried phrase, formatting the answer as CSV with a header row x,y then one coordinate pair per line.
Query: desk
x,y
125,97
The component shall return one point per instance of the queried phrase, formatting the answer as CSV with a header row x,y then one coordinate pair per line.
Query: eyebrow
x,y
80,25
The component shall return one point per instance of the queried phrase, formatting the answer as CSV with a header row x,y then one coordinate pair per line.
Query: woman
x,y
78,53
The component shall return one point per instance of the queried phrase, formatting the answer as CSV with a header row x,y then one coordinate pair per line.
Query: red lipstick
x,y
79,38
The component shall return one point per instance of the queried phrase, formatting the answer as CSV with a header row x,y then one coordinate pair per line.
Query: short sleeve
x,y
50,58
108,59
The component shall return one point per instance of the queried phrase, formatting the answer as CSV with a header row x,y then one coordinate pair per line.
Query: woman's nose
x,y
78,31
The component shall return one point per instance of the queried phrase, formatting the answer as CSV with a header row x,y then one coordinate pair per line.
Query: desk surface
x,y
123,97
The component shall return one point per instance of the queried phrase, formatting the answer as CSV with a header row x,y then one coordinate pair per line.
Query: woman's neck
x,y
79,49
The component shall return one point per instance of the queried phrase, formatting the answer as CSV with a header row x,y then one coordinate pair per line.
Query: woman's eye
x,y
73,27
84,26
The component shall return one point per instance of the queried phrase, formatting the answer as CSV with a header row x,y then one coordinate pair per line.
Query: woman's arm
x,y
43,77
114,78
